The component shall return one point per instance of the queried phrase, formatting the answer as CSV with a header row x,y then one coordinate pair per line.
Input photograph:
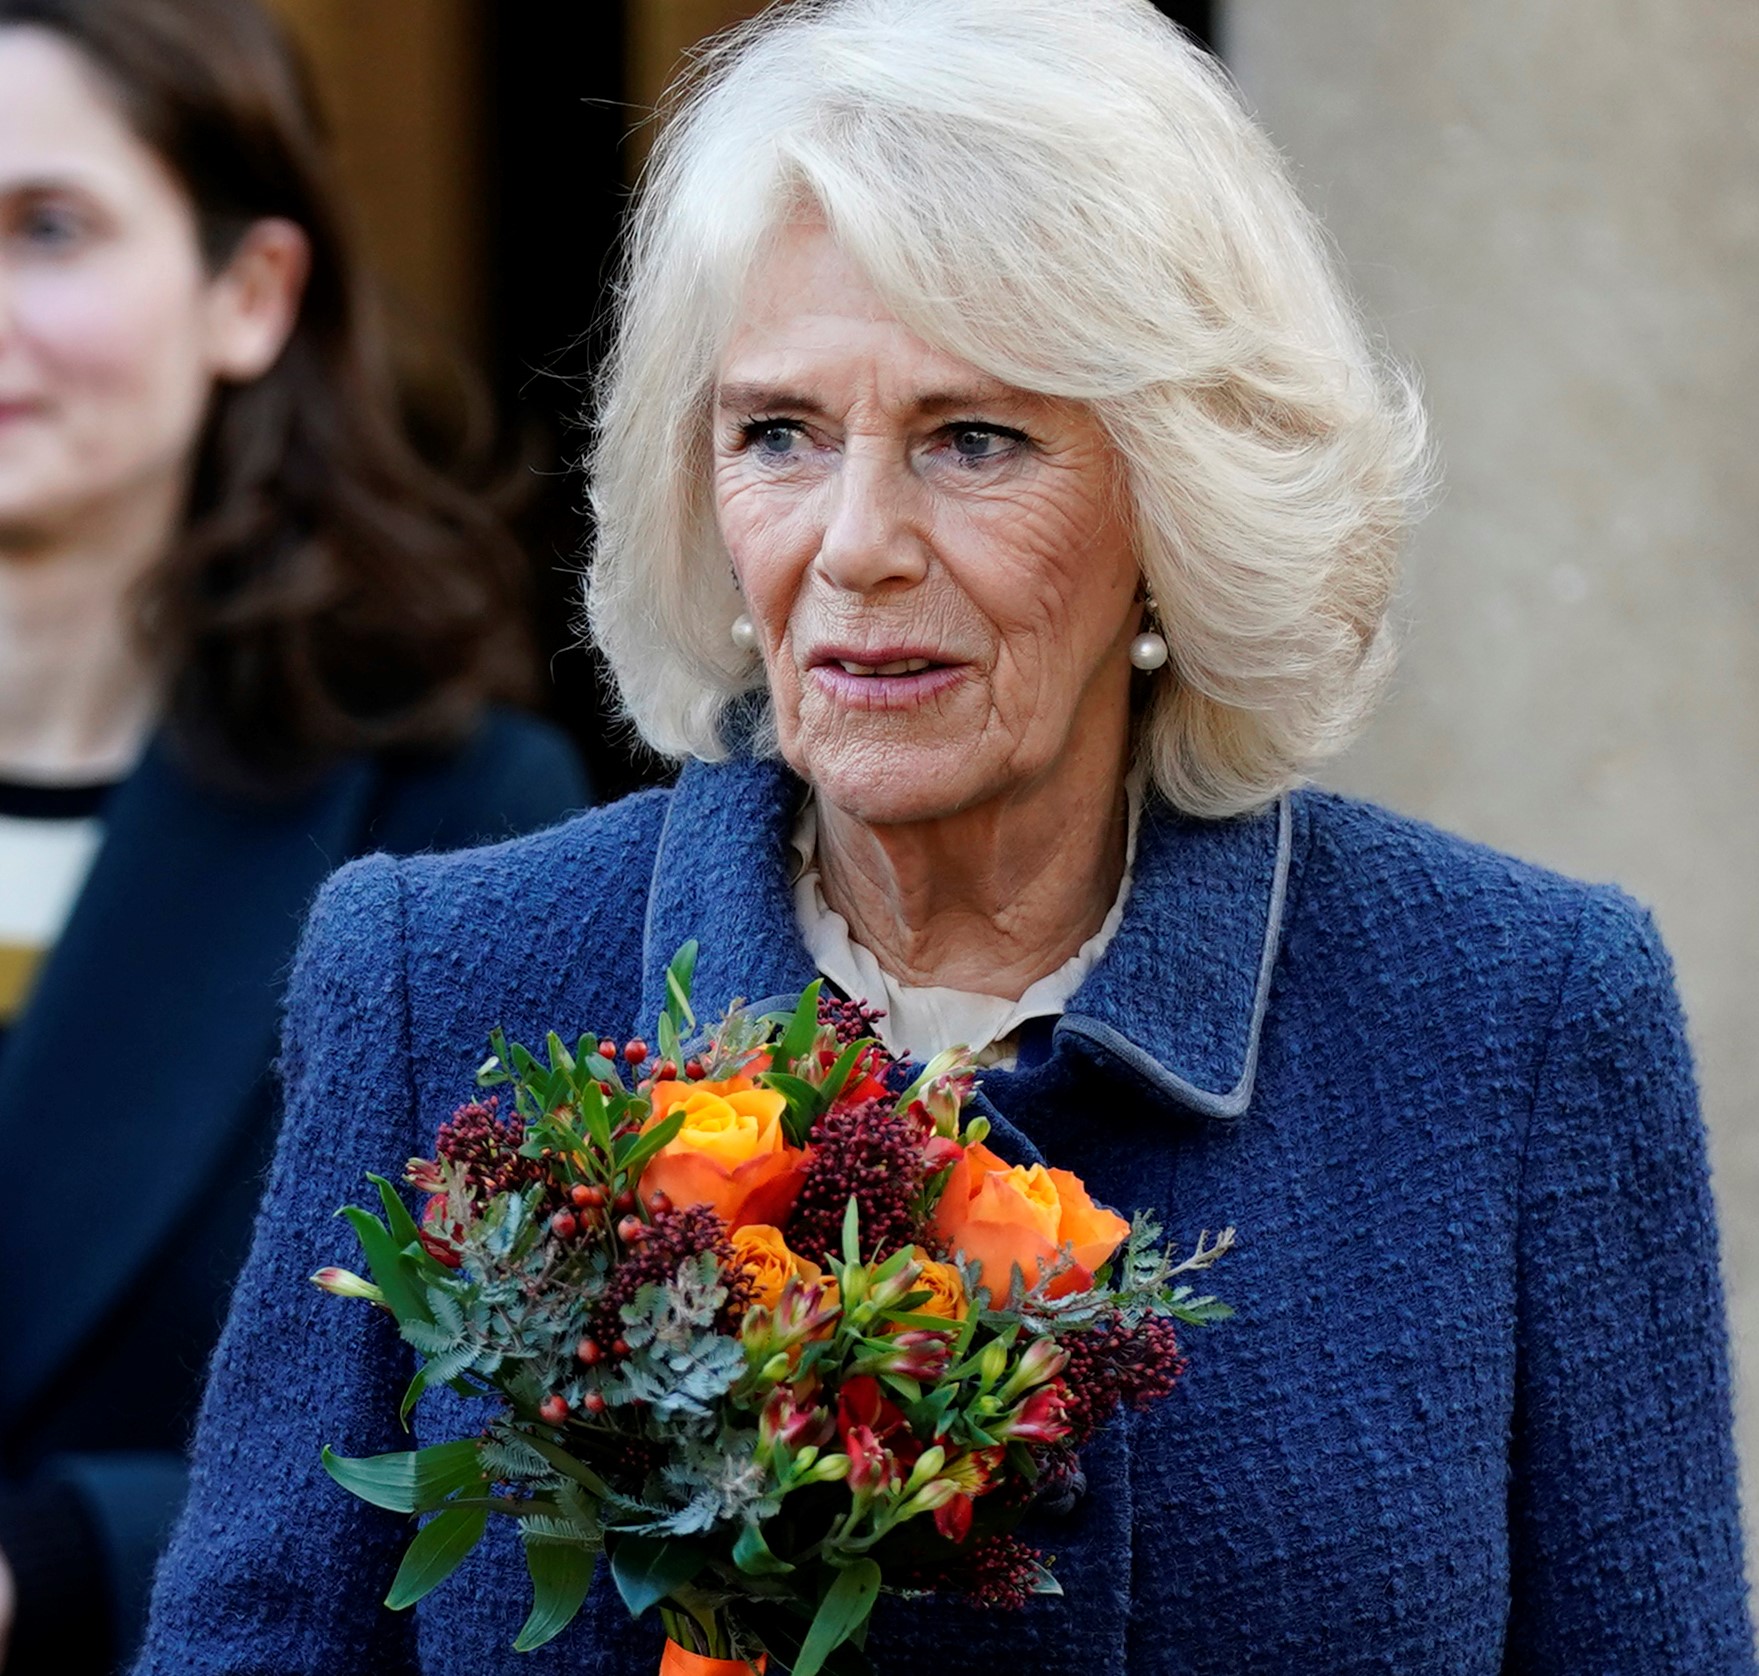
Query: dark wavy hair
x,y
330,592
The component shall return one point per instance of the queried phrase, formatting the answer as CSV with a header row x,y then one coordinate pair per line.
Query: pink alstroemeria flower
x,y
1037,1420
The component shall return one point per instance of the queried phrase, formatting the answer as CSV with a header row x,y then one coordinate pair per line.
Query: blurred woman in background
x,y
245,634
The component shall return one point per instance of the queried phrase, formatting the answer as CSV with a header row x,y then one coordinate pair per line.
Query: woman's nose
x,y
872,535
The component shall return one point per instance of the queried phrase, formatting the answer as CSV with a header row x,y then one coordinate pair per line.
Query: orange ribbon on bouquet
x,y
680,1661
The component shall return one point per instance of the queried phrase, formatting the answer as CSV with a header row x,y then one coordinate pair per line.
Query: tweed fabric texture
x,y
1472,1416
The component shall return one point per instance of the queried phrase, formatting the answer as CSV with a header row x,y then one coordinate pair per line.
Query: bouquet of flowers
x,y
762,1320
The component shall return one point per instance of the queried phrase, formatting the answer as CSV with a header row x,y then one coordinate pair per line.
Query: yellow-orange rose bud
x,y
765,1257
997,1215
731,1153
946,1291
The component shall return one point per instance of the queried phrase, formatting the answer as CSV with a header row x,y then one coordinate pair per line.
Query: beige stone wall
x,y
1553,210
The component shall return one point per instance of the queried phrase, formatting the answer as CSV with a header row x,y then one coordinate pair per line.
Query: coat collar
x,y
1177,1001
1179,996
144,1042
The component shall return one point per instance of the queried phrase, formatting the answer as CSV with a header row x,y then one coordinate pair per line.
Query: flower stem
x,y
698,1626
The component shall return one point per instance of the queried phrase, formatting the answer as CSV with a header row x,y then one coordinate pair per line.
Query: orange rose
x,y
765,1256
731,1153
945,1289
996,1215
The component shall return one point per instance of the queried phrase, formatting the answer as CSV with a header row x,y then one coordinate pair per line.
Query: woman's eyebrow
x,y
757,397
38,185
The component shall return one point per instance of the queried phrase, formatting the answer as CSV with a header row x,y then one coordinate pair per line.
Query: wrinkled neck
x,y
990,899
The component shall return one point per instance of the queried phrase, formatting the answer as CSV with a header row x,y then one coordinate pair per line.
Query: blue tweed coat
x,y
1473,1414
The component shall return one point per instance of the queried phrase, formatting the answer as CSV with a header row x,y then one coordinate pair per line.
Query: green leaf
x,y
783,1633
679,977
893,1264
670,1046
560,1057
582,1512
752,1555
413,1394
397,1217
408,1480
646,1569
391,1270
551,1090
568,1465
841,1615
839,1072
852,1232
562,1527
596,1118
561,1573
493,1072
802,1029
905,1315
908,1390
436,1552
928,1418
1201,1312
805,1104
632,1151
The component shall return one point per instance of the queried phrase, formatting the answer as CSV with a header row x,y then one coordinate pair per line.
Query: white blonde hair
x,y
1068,195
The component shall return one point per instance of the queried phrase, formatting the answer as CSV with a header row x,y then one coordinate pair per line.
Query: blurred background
x,y
1552,211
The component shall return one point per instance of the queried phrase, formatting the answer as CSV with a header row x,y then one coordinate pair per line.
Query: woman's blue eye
x,y
981,443
771,438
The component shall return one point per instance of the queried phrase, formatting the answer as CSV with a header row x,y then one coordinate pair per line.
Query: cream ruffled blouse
x,y
920,1022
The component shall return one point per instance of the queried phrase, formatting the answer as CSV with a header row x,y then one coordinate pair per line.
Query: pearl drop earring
x,y
1148,651
744,633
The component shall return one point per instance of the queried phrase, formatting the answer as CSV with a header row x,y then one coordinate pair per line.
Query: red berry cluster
x,y
873,1154
1000,1572
1117,1364
487,1145
852,1020
993,1571
581,1208
634,1051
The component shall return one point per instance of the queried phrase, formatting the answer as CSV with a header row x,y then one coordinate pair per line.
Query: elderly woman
x,y
997,508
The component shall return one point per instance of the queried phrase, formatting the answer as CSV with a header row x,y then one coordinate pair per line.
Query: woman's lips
x,y
883,680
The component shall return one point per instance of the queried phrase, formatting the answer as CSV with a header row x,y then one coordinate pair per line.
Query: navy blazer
x,y
137,1111
1472,1417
